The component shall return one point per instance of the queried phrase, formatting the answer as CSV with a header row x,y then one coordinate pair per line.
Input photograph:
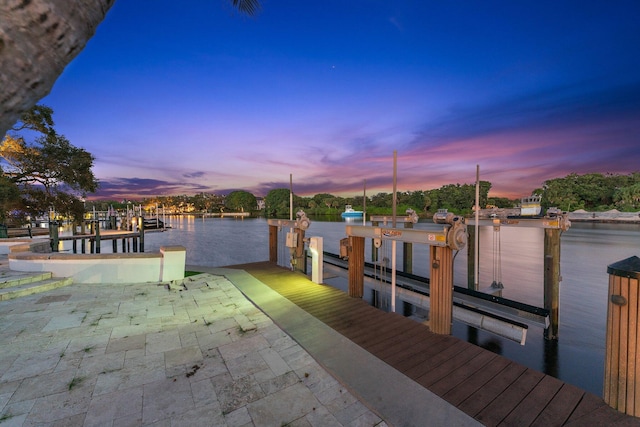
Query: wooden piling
x,y
356,266
471,259
299,258
441,290
54,236
407,253
92,242
273,244
552,280
622,350
141,231
97,231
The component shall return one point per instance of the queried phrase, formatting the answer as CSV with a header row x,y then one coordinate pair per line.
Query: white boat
x,y
349,212
530,206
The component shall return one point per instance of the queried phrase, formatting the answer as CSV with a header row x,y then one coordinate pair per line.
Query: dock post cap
x,y
629,267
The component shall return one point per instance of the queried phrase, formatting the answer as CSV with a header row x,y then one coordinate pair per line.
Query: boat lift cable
x,y
497,260
383,264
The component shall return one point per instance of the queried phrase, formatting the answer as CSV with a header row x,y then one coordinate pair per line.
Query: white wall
x,y
164,266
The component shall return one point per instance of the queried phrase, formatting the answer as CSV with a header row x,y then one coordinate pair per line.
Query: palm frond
x,y
250,7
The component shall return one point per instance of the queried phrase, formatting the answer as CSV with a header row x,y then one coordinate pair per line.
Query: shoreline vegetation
x,y
587,198
580,215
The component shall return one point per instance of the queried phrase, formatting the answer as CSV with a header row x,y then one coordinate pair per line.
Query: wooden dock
x,y
488,387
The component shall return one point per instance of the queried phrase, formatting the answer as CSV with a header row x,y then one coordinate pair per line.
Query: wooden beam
x,y
356,266
441,289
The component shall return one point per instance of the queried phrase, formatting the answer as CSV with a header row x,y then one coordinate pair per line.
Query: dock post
x,y
374,250
622,349
356,266
53,233
552,280
273,244
141,228
97,237
92,243
441,289
299,258
134,239
407,252
471,259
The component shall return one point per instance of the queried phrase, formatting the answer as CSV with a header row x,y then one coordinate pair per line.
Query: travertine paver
x,y
152,354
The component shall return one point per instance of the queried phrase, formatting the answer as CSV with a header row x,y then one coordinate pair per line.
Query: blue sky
x,y
188,97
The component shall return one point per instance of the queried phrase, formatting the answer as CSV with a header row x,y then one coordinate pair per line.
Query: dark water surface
x,y
586,251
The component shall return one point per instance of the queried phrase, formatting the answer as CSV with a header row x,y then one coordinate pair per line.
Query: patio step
x,y
22,284
10,279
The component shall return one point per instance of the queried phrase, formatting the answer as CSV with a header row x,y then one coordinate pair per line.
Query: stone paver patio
x,y
155,355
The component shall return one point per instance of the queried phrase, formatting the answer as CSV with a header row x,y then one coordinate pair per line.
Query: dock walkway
x,y
444,378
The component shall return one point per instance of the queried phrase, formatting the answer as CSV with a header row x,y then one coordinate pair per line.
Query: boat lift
x,y
295,241
453,237
554,223
491,313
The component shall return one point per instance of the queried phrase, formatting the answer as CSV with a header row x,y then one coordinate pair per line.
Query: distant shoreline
x,y
611,217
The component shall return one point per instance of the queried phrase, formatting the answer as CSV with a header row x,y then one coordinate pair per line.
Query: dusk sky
x,y
182,97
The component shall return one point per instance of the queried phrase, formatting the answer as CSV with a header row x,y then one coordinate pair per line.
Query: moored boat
x,y
530,206
349,212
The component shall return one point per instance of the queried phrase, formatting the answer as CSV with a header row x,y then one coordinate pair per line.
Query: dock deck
x,y
487,387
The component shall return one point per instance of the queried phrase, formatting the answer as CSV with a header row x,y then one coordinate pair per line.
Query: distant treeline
x,y
592,192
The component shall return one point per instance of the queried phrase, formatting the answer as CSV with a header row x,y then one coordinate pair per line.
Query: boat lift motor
x,y
457,233
301,223
293,239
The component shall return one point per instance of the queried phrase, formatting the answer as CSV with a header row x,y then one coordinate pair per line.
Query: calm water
x,y
587,250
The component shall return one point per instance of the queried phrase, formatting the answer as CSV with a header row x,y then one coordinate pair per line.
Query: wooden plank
x,y
490,390
388,331
273,244
624,349
502,406
407,334
358,324
462,373
603,416
476,381
560,407
433,359
607,388
356,267
336,308
632,351
332,308
588,405
436,373
389,323
420,350
526,412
